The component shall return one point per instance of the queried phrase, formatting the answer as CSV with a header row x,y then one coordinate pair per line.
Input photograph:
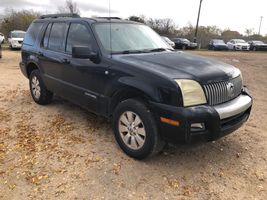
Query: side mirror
x,y
83,52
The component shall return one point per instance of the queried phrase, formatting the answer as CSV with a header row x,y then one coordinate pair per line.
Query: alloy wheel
x,y
132,130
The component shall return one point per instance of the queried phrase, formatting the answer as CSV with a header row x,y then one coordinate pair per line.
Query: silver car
x,y
168,41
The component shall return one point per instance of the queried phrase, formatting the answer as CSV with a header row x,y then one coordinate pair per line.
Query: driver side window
x,y
78,36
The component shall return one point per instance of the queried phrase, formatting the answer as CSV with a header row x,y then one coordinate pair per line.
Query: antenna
x,y
110,35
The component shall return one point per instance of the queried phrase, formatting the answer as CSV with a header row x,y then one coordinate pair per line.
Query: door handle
x,y
65,60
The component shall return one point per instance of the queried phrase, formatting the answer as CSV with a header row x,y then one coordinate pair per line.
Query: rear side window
x,y
78,36
57,37
46,36
32,33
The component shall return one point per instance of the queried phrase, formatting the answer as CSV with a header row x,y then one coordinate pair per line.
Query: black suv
x,y
124,71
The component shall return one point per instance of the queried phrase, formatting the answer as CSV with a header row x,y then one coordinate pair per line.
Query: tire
x,y
234,49
183,47
38,90
142,139
254,49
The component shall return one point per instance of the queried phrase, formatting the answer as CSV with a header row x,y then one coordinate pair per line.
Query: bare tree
x,y
17,20
69,7
140,19
249,31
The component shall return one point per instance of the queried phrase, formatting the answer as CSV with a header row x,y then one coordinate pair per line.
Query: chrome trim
x,y
89,95
218,92
234,107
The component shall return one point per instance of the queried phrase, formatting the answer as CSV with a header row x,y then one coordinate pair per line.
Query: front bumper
x,y
242,48
16,45
217,120
220,47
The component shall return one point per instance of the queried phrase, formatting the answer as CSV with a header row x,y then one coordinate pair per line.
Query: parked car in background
x,y
2,38
15,39
183,43
257,45
238,44
168,41
217,44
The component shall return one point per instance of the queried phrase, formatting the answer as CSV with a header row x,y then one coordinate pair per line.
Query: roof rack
x,y
59,15
108,17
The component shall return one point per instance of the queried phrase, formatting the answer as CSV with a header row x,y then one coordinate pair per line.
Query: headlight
x,y
192,92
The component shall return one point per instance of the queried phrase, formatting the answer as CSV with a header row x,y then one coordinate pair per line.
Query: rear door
x,y
51,55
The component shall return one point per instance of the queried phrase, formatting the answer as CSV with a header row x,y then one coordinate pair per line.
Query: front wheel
x,y
135,129
38,90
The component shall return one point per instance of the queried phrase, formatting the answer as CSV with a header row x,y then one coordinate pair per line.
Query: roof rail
x,y
107,17
59,15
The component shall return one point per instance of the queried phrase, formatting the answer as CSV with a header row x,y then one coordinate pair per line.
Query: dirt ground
x,y
61,151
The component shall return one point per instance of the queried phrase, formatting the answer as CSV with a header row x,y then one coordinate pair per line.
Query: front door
x,y
84,80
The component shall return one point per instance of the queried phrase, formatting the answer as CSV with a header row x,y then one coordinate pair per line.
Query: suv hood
x,y
179,65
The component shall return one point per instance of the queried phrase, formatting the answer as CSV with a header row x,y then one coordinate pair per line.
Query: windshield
x,y
17,34
128,37
240,41
218,41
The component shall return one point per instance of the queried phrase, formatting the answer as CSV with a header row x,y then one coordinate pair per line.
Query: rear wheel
x,y
184,47
38,90
135,129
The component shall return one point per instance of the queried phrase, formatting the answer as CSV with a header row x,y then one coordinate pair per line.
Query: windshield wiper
x,y
158,49
131,51
143,51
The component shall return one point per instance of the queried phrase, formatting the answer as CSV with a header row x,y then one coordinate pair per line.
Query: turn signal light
x,y
170,121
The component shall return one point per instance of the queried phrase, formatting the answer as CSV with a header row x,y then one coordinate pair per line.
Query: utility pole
x,y
200,3
260,25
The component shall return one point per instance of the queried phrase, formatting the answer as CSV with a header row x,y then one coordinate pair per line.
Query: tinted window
x,y
32,33
46,36
56,39
18,34
78,36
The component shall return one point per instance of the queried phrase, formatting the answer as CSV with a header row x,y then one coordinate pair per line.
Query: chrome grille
x,y
218,93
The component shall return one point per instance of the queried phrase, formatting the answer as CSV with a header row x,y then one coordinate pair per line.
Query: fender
x,y
31,61
141,85
156,90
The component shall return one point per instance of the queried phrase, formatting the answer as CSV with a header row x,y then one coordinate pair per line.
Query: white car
x,y
15,39
2,38
238,44
168,41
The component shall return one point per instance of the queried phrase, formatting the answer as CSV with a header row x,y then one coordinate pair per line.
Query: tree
x,y
70,7
17,20
249,31
228,35
162,26
140,19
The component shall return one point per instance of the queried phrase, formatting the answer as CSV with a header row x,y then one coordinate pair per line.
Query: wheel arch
x,y
30,67
127,92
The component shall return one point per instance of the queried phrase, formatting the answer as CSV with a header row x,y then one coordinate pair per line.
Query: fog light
x,y
198,127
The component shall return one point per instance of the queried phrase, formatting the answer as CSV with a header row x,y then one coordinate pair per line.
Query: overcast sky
x,y
234,14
